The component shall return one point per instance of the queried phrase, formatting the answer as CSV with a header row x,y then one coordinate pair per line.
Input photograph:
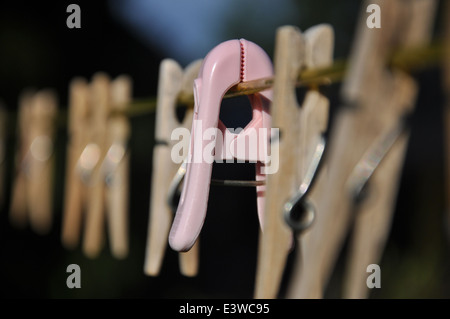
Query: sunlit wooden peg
x,y
313,119
116,167
301,135
172,82
74,197
99,101
276,240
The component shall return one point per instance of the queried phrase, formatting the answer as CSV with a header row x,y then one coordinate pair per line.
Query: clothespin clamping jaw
x,y
228,64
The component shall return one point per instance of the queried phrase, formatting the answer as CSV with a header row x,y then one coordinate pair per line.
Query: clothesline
x,y
409,60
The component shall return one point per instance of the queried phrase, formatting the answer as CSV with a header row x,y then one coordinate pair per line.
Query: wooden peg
x,y
18,206
77,127
377,99
95,215
169,83
373,217
172,82
276,239
313,121
41,159
116,167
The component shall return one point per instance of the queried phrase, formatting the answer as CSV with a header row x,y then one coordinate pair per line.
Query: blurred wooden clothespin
x,y
300,148
32,189
116,167
78,127
18,205
367,141
97,165
40,166
100,101
173,82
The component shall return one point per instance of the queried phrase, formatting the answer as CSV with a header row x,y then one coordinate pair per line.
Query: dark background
x,y
38,50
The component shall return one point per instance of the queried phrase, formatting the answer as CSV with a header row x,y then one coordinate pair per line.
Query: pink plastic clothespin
x,y
228,64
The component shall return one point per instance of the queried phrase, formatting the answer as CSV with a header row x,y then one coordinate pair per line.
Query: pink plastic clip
x,y
226,65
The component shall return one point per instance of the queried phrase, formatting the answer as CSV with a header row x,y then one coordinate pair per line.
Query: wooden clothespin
x,y
374,214
98,164
18,206
32,192
314,116
371,125
116,167
99,100
78,127
41,160
172,83
301,127
3,142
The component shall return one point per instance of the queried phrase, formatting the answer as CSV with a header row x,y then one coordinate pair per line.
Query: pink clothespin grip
x,y
226,65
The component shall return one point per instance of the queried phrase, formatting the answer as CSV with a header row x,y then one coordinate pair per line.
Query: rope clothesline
x,y
408,60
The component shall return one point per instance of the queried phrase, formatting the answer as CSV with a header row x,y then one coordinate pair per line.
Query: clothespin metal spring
x,y
300,199
360,178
